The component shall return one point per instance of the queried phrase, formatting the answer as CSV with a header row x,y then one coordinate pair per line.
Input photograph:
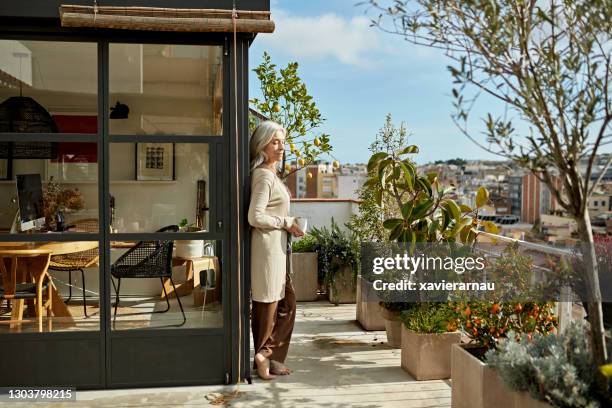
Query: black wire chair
x,y
147,259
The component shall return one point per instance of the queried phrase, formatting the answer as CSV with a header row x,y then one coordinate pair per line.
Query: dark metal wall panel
x,y
166,360
51,362
245,180
50,8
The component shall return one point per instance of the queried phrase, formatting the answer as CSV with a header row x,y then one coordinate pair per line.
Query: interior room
x,y
53,185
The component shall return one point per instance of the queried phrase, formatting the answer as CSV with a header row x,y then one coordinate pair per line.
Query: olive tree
x,y
548,63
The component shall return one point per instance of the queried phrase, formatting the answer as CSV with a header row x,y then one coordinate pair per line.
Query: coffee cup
x,y
302,223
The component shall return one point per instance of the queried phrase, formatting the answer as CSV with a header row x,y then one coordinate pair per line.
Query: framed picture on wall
x,y
154,161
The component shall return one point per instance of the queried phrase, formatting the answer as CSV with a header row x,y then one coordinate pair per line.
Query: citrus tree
x,y
286,101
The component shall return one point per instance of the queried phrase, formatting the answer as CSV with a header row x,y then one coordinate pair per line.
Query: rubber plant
x,y
429,214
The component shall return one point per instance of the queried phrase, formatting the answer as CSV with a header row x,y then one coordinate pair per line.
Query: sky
x,y
357,74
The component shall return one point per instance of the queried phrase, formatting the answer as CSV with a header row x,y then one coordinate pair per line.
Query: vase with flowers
x,y
58,201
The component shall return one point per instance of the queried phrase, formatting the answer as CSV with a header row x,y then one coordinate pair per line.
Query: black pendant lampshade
x,y
23,114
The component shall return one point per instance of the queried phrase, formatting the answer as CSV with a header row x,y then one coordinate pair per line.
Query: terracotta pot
x,y
476,385
304,279
427,356
368,312
345,288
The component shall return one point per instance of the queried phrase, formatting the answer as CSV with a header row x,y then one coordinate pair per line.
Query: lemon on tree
x,y
287,102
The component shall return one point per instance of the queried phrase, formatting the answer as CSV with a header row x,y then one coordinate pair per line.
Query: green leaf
x,y
396,232
375,159
422,208
465,208
412,149
409,174
482,197
453,209
425,185
407,209
392,223
382,173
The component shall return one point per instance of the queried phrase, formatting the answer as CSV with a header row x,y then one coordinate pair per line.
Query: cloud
x,y
350,41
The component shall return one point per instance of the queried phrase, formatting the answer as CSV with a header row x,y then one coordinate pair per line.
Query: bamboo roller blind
x,y
165,19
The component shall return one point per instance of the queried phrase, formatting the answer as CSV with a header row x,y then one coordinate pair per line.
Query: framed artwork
x,y
5,170
154,161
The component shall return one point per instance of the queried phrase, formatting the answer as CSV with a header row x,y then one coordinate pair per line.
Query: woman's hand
x,y
295,230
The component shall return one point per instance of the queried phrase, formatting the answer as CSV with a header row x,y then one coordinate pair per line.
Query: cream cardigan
x,y
269,216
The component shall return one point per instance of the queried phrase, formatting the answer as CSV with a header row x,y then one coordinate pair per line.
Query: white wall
x,y
319,212
155,204
349,184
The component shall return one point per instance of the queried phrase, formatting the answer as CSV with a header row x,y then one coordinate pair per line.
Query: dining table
x,y
28,267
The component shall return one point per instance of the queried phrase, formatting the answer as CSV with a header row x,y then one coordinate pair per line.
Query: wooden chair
x,y
25,276
77,261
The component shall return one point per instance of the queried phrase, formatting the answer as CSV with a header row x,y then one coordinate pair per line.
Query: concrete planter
x,y
427,356
304,266
524,400
475,385
345,289
393,326
368,312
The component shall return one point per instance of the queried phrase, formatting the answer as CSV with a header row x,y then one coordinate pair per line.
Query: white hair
x,y
262,136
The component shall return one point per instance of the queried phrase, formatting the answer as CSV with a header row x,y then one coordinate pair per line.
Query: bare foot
x,y
263,367
278,368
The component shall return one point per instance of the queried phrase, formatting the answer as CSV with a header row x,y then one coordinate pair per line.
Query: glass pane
x,y
160,89
74,294
49,187
154,185
147,276
48,87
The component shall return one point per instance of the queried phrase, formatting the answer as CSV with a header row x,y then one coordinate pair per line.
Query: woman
x,y
273,311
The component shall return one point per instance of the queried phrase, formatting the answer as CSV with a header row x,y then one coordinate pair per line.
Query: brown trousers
x,y
272,325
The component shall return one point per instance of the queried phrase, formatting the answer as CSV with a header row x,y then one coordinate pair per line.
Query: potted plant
x,y
367,311
305,268
390,312
338,260
428,332
58,201
544,371
474,383
188,248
